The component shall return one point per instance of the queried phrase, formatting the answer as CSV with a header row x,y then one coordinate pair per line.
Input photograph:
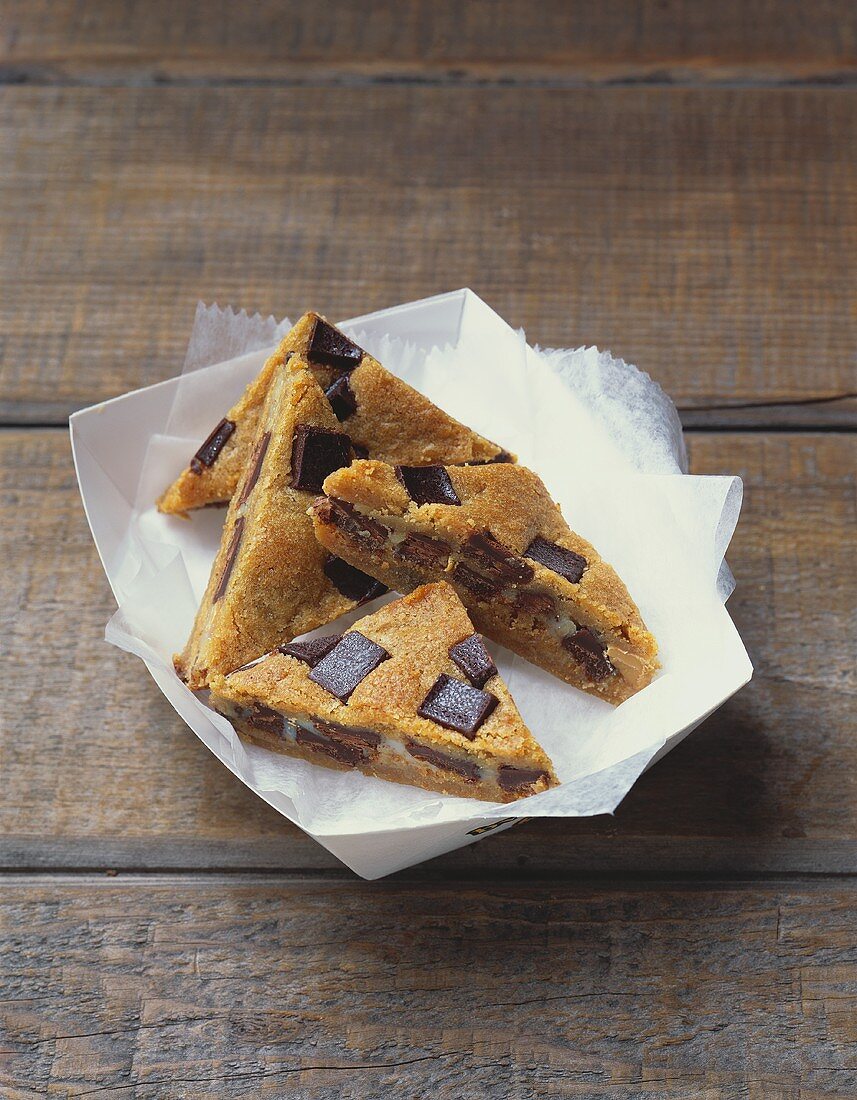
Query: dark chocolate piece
x,y
585,648
359,450
556,558
332,348
348,734
484,588
518,779
311,650
231,555
348,664
264,718
352,582
338,750
457,706
427,484
474,660
256,461
341,398
490,555
212,447
465,768
501,456
345,516
538,604
316,452
423,550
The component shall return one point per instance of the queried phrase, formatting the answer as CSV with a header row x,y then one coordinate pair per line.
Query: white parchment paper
x,y
603,436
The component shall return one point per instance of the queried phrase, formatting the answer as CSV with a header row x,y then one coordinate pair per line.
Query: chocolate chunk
x,y
345,516
352,582
457,706
255,467
556,558
332,348
349,734
231,555
501,456
316,452
311,650
465,768
323,511
518,779
424,551
427,484
585,648
481,587
348,664
212,447
337,750
474,660
341,398
490,555
359,450
538,604
265,719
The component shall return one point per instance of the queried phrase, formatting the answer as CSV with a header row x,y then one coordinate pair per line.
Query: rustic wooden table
x,y
674,181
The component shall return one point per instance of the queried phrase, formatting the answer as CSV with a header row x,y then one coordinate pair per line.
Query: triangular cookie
x,y
409,694
385,418
494,533
271,580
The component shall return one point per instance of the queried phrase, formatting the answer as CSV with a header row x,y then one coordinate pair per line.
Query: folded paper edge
x,y
650,753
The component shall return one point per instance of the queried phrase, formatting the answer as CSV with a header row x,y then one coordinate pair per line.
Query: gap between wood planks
x,y
522,77
603,883
564,44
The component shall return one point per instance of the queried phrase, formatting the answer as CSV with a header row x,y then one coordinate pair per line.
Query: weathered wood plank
x,y
767,784
708,236
229,987
666,40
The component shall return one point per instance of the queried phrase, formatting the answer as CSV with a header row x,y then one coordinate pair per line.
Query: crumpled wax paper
x,y
602,435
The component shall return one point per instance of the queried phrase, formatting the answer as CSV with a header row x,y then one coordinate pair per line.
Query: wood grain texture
x,y
708,236
703,226
178,987
767,784
556,40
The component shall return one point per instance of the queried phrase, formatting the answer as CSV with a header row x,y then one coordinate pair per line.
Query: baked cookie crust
x,y
271,579
494,533
384,416
395,697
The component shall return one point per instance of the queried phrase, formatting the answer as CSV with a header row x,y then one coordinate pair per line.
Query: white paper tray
x,y
608,444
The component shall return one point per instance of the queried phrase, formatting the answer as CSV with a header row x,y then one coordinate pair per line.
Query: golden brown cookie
x,y
493,532
384,416
271,580
409,694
